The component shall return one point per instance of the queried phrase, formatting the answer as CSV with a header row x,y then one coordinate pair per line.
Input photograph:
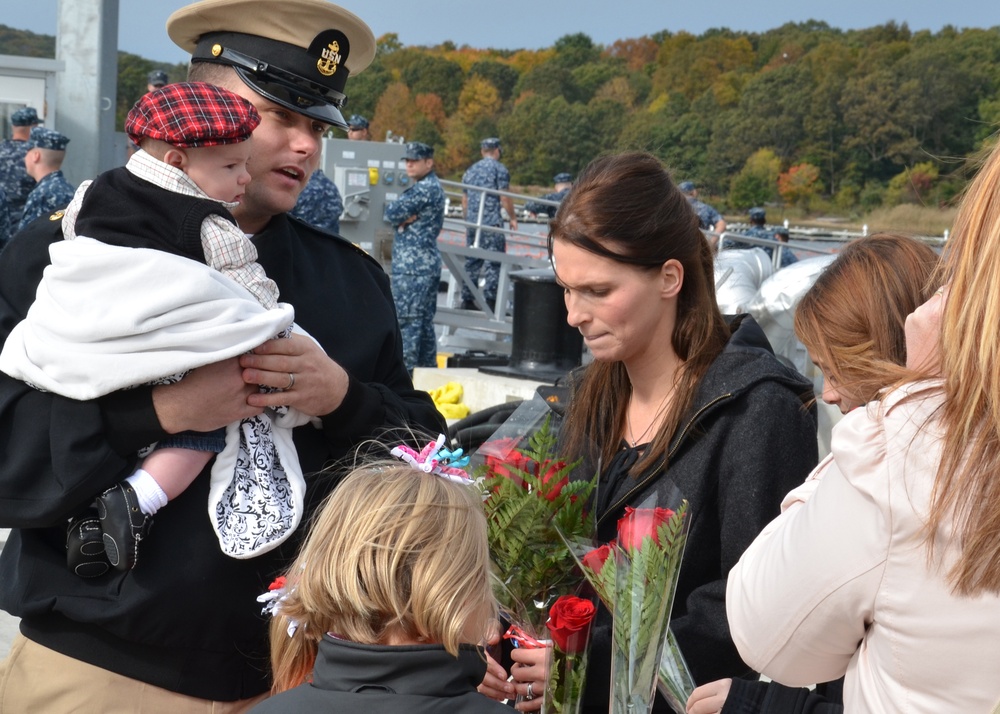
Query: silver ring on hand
x,y
529,694
291,381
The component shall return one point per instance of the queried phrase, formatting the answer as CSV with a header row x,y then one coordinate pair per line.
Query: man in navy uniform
x,y
488,172
757,229
357,128
563,183
156,79
14,179
183,631
43,163
417,215
708,218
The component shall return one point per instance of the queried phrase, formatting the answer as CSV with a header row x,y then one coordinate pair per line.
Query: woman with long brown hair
x,y
677,395
890,573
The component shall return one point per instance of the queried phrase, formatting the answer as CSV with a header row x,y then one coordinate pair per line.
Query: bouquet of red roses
x,y
530,496
636,576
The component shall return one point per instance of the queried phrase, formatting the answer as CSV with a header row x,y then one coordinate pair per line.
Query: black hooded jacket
x,y
748,439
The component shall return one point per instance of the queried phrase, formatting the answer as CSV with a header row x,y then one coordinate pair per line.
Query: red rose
x,y
569,623
278,584
637,524
507,465
595,559
551,470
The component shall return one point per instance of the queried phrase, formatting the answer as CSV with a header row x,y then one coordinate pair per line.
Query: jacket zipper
x,y
677,444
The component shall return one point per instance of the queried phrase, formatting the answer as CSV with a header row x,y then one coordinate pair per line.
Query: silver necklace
x,y
633,441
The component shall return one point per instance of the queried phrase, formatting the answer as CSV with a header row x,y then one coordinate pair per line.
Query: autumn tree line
x,y
805,113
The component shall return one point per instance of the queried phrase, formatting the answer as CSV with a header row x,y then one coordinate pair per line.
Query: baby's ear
x,y
176,158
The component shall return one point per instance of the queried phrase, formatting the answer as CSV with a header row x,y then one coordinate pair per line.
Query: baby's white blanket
x,y
107,318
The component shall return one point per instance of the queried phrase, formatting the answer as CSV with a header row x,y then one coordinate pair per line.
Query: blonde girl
x,y
387,599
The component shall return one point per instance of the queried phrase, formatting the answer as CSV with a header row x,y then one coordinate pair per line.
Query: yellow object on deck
x,y
448,400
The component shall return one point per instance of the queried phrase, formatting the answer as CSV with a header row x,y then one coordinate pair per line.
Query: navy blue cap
x,y
417,150
562,178
157,78
45,138
24,117
781,231
686,186
490,143
357,122
756,214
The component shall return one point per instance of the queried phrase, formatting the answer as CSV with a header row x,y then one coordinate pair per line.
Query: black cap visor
x,y
285,88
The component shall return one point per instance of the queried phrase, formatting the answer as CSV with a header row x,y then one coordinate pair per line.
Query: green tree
x,y
757,181
590,77
500,75
671,132
438,75
912,185
877,111
575,50
548,80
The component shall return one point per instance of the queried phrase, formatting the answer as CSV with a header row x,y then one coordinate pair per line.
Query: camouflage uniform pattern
x,y
14,179
540,208
52,193
320,204
416,267
488,173
707,216
753,232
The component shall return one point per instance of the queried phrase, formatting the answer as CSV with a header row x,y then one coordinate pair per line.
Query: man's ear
x,y
176,158
671,278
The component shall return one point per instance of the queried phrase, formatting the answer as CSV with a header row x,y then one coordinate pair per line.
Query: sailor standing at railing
x,y
488,172
563,183
757,229
418,215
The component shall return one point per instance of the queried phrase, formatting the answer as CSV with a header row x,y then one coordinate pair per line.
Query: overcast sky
x,y
532,24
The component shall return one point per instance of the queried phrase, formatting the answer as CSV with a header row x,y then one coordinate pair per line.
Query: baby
x,y
173,196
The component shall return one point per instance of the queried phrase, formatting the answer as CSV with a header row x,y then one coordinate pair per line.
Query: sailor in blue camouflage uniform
x,y
43,161
14,179
417,215
757,229
563,183
708,218
787,257
357,128
320,203
488,172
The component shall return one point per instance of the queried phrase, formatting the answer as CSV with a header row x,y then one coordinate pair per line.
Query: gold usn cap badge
x,y
329,61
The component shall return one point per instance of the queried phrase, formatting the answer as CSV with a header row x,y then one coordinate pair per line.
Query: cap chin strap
x,y
286,88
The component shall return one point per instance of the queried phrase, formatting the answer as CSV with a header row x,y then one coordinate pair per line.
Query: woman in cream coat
x,y
889,572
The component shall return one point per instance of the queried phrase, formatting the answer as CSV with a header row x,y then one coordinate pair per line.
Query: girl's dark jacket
x,y
376,679
748,439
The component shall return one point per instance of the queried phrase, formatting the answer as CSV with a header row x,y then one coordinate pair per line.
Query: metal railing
x,y
487,328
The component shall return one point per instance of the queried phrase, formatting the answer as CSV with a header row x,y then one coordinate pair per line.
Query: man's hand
x,y
208,398
311,381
